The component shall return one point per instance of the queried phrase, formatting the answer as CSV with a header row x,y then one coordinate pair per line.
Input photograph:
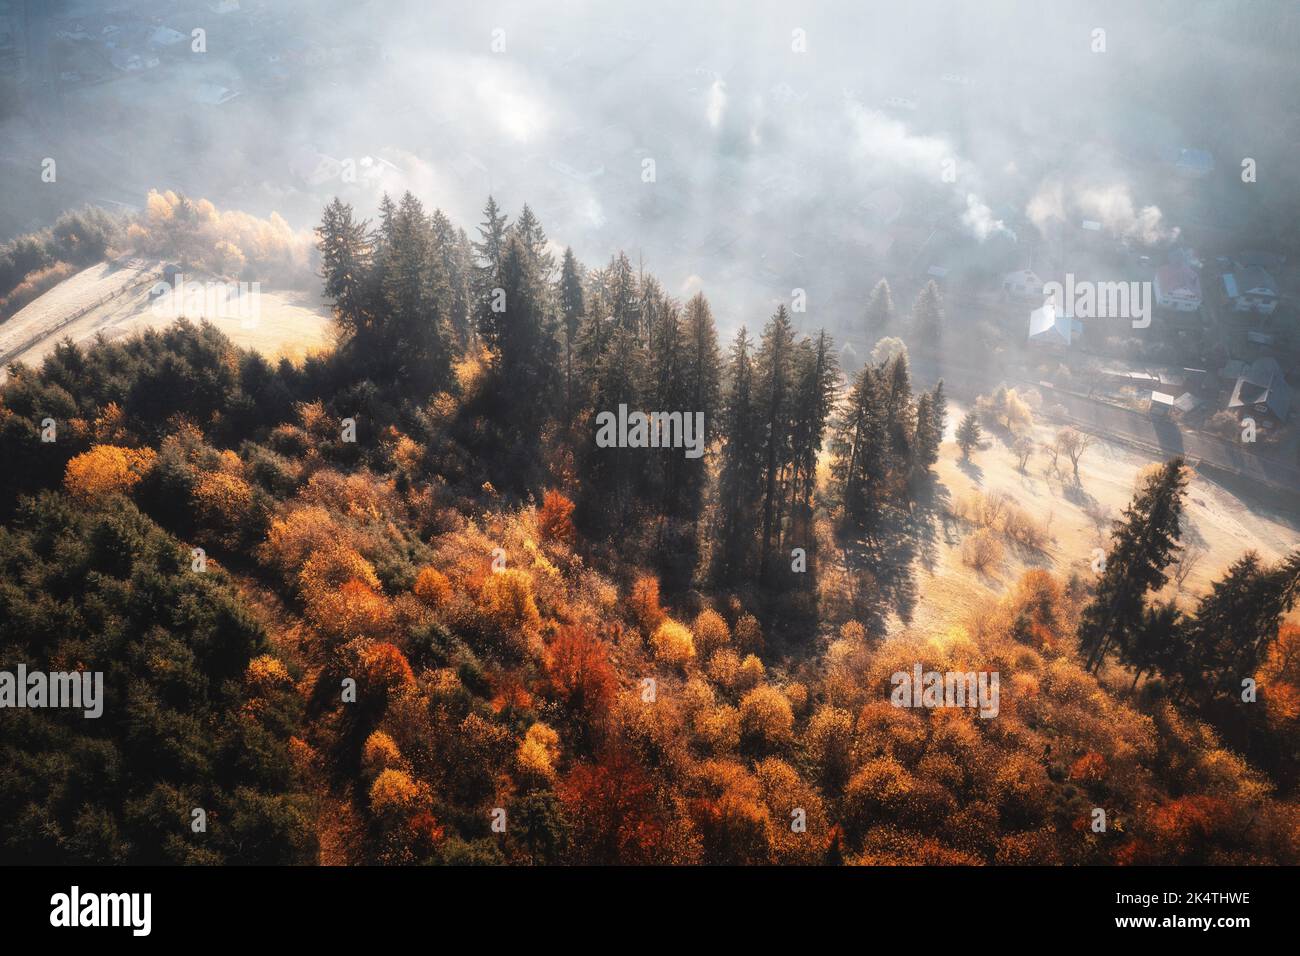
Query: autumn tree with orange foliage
x,y
107,470
580,674
555,521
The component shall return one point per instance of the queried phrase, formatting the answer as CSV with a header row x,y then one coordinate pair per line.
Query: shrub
x,y
981,550
711,633
766,720
555,521
644,603
673,643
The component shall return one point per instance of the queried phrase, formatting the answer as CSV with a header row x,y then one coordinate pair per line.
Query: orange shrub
x,y
579,672
106,470
554,521
644,602
711,633
385,666
432,587
673,643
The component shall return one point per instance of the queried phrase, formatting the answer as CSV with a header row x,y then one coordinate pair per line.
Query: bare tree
x,y
1023,448
1186,563
1074,443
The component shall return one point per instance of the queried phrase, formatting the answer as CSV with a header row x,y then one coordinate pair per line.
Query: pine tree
x,y
901,415
346,258
859,450
968,433
816,384
521,339
740,478
773,387
927,318
415,344
702,374
451,248
622,293
529,229
880,311
1144,542
488,251
572,308
1235,624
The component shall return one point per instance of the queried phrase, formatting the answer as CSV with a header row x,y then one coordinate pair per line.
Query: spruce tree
x,y
1145,540
927,318
773,387
859,449
572,308
968,433
1234,625
492,233
880,311
346,259
740,478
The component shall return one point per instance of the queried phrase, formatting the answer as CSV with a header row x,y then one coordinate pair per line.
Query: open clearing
x,y
1078,520
113,299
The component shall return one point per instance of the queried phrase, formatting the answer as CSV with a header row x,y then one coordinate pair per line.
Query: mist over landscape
x,y
774,169
609,434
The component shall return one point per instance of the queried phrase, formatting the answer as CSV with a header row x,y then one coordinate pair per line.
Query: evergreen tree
x,y
346,257
773,387
740,478
488,250
572,308
816,384
521,339
529,229
968,433
451,249
927,318
1235,624
1144,542
702,392
859,450
931,412
880,310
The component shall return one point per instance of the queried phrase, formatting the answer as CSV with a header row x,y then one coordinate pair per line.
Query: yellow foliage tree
x,y
673,643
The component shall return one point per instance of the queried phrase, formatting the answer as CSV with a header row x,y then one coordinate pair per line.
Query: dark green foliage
x,y
1144,542
106,590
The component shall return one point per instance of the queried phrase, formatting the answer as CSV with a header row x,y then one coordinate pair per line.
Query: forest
x,y
395,604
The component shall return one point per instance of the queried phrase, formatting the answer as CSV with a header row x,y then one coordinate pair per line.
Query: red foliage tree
x,y
612,802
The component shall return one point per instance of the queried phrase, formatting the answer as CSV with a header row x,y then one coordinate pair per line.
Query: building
x,y
1249,289
1178,287
1262,388
1053,330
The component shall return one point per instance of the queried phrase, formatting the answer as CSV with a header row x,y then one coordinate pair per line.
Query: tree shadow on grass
x,y
971,470
881,560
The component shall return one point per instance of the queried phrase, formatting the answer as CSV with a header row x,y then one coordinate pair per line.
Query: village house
x,y
1261,388
1249,289
1053,330
1178,287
